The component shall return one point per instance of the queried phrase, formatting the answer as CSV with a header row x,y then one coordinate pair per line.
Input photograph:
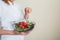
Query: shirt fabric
x,y
9,14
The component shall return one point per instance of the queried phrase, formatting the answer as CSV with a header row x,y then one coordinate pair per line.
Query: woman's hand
x,y
21,33
27,11
25,33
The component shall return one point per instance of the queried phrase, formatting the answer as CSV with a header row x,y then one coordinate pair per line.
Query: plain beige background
x,y
46,14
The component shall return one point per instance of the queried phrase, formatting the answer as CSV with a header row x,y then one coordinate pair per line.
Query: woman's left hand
x,y
27,11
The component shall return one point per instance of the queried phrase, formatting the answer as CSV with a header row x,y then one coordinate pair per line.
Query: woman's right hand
x,y
21,33
16,32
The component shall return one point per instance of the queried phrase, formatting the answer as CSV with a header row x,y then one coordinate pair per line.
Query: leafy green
x,y
16,26
20,29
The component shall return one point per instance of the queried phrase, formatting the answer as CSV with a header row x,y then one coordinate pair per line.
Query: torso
x,y
10,13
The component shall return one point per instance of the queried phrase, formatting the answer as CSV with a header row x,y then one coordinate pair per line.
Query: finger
x,y
28,10
24,33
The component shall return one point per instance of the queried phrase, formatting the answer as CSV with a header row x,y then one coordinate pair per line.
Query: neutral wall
x,y
46,15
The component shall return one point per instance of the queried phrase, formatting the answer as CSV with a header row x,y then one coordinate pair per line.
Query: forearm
x,y
6,32
26,16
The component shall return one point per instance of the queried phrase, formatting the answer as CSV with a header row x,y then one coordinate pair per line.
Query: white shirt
x,y
8,14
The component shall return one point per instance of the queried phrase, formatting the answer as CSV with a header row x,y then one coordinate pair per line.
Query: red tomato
x,y
23,23
27,25
21,26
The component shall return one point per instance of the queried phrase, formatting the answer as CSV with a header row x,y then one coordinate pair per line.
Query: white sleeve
x,y
0,16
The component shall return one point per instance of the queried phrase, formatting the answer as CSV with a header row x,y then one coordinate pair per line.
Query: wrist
x,y
15,32
26,13
11,32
